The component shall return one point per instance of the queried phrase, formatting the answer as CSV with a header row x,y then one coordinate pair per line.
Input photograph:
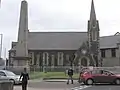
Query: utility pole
x,y
1,45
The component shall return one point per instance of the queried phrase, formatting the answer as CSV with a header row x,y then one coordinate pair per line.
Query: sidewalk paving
x,y
36,80
58,80
19,88
49,80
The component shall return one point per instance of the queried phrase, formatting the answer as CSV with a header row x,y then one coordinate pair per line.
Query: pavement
x,y
19,88
56,80
43,85
103,87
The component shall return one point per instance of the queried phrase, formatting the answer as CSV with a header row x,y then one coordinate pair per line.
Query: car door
x,y
104,77
108,77
97,76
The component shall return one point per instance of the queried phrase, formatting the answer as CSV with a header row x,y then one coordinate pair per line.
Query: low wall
x,y
16,69
6,85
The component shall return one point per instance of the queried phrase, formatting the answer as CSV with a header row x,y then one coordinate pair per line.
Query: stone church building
x,y
64,48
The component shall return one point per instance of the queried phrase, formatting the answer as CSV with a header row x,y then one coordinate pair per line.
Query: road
x,y
53,85
64,86
103,87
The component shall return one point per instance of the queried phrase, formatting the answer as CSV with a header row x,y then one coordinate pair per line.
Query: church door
x,y
84,61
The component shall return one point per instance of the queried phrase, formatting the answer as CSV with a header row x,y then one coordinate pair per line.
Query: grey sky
x,y
58,15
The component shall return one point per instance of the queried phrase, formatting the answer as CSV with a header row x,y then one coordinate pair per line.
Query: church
x,y
64,48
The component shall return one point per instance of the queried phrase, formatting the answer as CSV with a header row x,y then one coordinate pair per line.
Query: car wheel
x,y
117,81
12,81
89,82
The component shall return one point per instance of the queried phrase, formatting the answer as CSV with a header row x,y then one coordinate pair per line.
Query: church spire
x,y
93,35
92,14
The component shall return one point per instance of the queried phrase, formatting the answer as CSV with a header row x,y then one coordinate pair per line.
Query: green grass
x,y
39,75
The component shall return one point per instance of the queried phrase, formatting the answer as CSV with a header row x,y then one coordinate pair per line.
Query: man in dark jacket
x,y
70,74
25,77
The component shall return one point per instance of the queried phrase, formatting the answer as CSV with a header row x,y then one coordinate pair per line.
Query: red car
x,y
99,76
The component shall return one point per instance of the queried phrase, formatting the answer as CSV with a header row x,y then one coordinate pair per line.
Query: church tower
x,y
93,34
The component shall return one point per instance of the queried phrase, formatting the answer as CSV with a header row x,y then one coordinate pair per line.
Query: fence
x,y
15,69
51,68
18,69
75,68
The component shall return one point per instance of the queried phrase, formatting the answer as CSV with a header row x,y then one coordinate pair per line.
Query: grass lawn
x,y
39,75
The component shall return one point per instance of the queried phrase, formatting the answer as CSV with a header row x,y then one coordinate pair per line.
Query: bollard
x,y
6,85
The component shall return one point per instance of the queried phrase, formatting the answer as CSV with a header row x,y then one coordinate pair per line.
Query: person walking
x,y
70,74
25,77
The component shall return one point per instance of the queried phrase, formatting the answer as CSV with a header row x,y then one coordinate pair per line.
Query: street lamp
x,y
1,45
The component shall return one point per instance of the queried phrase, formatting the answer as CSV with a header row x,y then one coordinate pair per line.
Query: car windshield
x,y
114,72
10,73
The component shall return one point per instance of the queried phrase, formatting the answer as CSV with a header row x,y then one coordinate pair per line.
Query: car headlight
x,y
17,79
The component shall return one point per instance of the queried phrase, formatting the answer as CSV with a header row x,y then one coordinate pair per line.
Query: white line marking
x,y
80,87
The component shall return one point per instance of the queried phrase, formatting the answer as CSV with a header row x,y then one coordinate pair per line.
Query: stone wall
x,y
16,69
110,61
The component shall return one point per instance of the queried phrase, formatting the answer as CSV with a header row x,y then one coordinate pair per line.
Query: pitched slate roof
x,y
109,41
65,40
56,40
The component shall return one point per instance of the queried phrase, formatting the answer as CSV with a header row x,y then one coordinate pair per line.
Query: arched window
x,y
60,58
37,59
67,57
30,56
52,60
45,58
66,60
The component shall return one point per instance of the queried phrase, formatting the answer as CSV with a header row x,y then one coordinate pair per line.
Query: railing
x,y
18,69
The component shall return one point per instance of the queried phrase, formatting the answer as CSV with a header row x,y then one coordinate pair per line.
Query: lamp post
x,y
1,45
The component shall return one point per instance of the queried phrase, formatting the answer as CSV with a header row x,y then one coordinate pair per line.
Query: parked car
x,y
99,76
4,74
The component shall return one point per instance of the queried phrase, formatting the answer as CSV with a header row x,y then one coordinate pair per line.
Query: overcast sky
x,y
58,15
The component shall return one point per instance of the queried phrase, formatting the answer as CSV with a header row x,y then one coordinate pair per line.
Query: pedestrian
x,y
25,77
70,74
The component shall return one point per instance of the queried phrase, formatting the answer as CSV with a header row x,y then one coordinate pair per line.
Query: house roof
x,y
66,40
